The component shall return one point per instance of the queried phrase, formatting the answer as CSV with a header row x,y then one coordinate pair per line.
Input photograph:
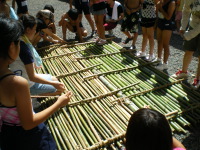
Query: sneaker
x,y
196,84
157,62
93,33
180,75
127,40
162,67
141,54
150,58
101,42
110,33
132,47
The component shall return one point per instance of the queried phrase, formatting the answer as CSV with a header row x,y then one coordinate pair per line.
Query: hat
x,y
46,14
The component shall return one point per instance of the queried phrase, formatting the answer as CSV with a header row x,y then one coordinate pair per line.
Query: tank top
x,y
149,9
8,115
165,8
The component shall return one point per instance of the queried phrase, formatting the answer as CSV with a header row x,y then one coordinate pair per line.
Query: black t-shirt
x,y
110,10
40,25
25,54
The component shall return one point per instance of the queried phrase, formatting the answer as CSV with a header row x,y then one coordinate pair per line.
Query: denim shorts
x,y
39,88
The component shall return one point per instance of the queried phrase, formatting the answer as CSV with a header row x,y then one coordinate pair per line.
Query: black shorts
x,y
130,22
148,22
193,44
82,7
164,24
22,6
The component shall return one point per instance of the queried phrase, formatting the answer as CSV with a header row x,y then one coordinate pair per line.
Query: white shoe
x,y
101,42
162,67
157,62
141,54
180,75
150,58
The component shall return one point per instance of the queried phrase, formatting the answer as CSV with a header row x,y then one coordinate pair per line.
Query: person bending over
x,y
71,22
44,18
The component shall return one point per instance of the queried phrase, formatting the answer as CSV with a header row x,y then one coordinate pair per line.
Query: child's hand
x,y
58,85
64,99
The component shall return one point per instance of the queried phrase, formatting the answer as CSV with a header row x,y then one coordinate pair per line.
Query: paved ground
x,y
191,140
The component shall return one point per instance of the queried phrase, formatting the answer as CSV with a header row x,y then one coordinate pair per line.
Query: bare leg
x,y
65,26
150,33
100,27
186,60
160,43
91,22
127,34
166,35
144,39
135,35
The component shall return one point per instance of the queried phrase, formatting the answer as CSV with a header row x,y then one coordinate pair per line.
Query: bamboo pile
x,y
109,84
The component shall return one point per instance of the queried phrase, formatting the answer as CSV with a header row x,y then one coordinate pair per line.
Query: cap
x,y
47,14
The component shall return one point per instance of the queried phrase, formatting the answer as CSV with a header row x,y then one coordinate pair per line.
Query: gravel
x,y
191,139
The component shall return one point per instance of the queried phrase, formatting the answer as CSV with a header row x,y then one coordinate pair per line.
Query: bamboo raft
x,y
109,84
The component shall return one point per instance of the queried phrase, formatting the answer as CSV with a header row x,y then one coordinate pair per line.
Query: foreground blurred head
x,y
148,129
10,33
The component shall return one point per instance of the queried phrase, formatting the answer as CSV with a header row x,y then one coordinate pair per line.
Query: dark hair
x,y
148,129
10,31
28,21
73,14
49,7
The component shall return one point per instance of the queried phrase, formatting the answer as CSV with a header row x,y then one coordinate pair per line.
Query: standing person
x,y
114,14
7,10
131,21
40,84
98,8
149,130
44,18
83,6
179,8
70,21
22,7
21,128
165,26
148,23
191,35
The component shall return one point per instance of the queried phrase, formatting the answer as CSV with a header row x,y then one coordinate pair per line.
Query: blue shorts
x,y
39,88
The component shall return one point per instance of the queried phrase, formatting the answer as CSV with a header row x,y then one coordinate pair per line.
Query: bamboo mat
x,y
109,83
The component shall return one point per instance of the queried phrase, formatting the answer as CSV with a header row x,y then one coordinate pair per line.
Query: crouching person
x,y
71,22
